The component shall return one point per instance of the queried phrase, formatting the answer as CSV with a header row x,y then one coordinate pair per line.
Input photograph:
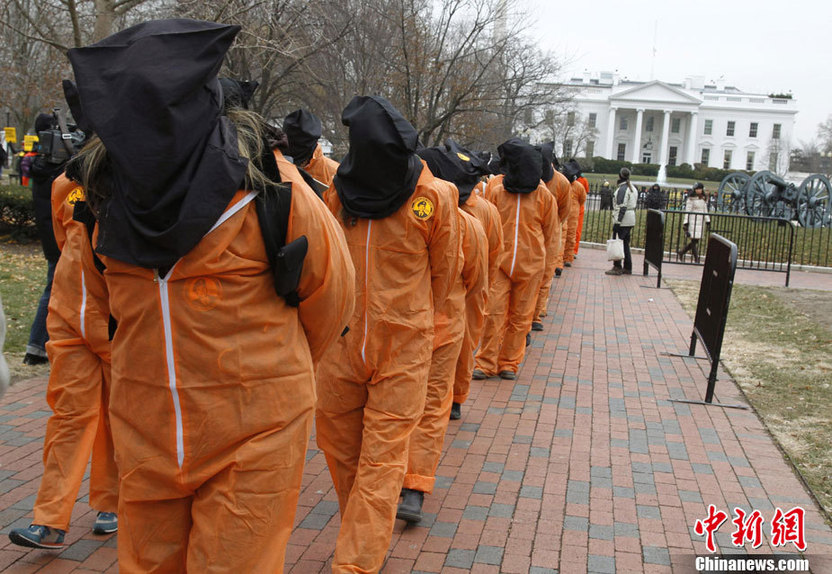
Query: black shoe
x,y
31,359
567,264
456,411
626,271
478,375
558,271
508,375
614,271
410,508
528,339
537,326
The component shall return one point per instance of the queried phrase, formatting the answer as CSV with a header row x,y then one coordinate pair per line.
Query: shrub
x,y
17,212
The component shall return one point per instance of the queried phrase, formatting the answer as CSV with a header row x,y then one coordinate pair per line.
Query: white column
x,y
610,133
665,138
637,147
693,125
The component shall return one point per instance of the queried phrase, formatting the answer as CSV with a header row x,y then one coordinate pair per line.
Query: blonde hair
x,y
93,167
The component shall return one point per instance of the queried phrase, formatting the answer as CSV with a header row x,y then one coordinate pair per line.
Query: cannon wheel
x,y
731,193
757,196
813,202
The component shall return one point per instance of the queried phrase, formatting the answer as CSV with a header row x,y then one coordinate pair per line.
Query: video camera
x,y
59,143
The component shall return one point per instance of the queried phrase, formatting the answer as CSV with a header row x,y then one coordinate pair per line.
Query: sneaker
x,y
537,326
614,271
567,264
508,375
32,359
410,508
456,412
558,272
105,523
478,375
38,536
528,339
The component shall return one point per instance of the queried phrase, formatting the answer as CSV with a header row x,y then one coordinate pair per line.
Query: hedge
x,y
17,212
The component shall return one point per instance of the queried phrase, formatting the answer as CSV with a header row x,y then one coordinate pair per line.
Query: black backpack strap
x,y
81,212
273,208
317,186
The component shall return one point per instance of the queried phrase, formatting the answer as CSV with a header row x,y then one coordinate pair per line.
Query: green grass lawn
x,y
22,279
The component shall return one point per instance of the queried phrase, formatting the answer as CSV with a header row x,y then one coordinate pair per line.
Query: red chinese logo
x,y
710,525
748,526
788,527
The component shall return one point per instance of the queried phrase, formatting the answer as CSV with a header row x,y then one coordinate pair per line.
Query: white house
x,y
670,124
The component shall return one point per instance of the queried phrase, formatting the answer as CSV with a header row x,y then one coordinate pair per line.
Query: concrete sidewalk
x,y
581,465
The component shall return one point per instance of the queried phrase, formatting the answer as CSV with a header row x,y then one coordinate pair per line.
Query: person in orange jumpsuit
x,y
582,203
572,170
563,189
303,130
558,185
472,203
402,231
211,425
467,291
529,216
78,390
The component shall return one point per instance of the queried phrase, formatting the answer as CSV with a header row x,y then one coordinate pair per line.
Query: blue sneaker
x,y
38,536
105,523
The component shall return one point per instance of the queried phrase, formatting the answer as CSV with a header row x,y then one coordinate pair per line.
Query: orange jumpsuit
x,y
557,186
582,203
577,190
321,167
529,221
213,391
372,384
489,218
564,198
467,294
79,380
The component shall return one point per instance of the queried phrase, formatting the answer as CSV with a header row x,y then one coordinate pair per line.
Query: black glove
x,y
616,228
621,213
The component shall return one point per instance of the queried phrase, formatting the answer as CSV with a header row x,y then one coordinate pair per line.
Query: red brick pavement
x,y
581,465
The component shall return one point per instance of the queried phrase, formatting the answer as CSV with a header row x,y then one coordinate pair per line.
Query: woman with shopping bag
x,y
623,221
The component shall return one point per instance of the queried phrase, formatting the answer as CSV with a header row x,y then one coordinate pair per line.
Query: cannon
x,y
766,194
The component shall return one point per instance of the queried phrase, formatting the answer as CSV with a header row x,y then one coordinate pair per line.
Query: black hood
x,y
572,170
495,165
522,165
471,165
303,129
446,165
381,168
547,153
151,94
237,94
44,122
73,101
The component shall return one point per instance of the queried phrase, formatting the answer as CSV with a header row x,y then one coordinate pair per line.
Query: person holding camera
x,y
624,219
696,221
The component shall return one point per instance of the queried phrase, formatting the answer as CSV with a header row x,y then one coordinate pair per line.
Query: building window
x,y
593,118
709,127
673,152
590,149
706,155
622,152
730,130
649,125
752,130
775,132
749,161
726,159
675,124
567,148
570,119
623,124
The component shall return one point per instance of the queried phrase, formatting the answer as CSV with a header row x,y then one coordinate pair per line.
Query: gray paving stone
x,y
496,467
655,555
501,510
443,529
584,410
641,467
9,484
739,461
651,512
567,402
749,482
642,488
601,564
563,433
522,439
677,450
469,427
662,467
315,521
623,492
716,456
600,482
539,452
489,555
539,570
457,558
495,411
475,513
81,549
513,475
643,477
578,523
601,532
326,507
535,492
701,468
626,529
443,482
601,472
481,487
463,444
25,503
709,436
690,496
620,443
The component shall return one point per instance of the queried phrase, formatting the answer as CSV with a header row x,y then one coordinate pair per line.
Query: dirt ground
x,y
815,305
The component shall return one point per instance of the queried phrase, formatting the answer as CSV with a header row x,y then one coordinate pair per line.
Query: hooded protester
x,y
401,227
79,381
558,186
563,189
572,171
303,129
581,203
4,367
193,293
623,220
529,216
467,292
476,165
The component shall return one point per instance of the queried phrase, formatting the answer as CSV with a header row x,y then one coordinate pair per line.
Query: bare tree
x,y
825,135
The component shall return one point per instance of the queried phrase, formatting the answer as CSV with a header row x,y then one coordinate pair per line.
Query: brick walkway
x,y
582,465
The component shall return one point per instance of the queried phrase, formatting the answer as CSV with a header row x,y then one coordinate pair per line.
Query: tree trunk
x,y
105,15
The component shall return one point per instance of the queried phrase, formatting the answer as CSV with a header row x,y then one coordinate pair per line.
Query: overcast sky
x,y
758,46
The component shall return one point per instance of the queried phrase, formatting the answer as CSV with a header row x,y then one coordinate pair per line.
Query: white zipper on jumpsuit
x,y
366,282
83,306
166,321
516,230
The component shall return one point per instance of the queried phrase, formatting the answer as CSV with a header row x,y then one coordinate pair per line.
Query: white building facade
x,y
694,123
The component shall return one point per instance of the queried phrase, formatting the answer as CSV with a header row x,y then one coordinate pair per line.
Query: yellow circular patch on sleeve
x,y
422,208
463,157
75,196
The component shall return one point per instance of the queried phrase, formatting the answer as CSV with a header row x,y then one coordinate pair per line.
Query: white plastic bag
x,y
615,249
